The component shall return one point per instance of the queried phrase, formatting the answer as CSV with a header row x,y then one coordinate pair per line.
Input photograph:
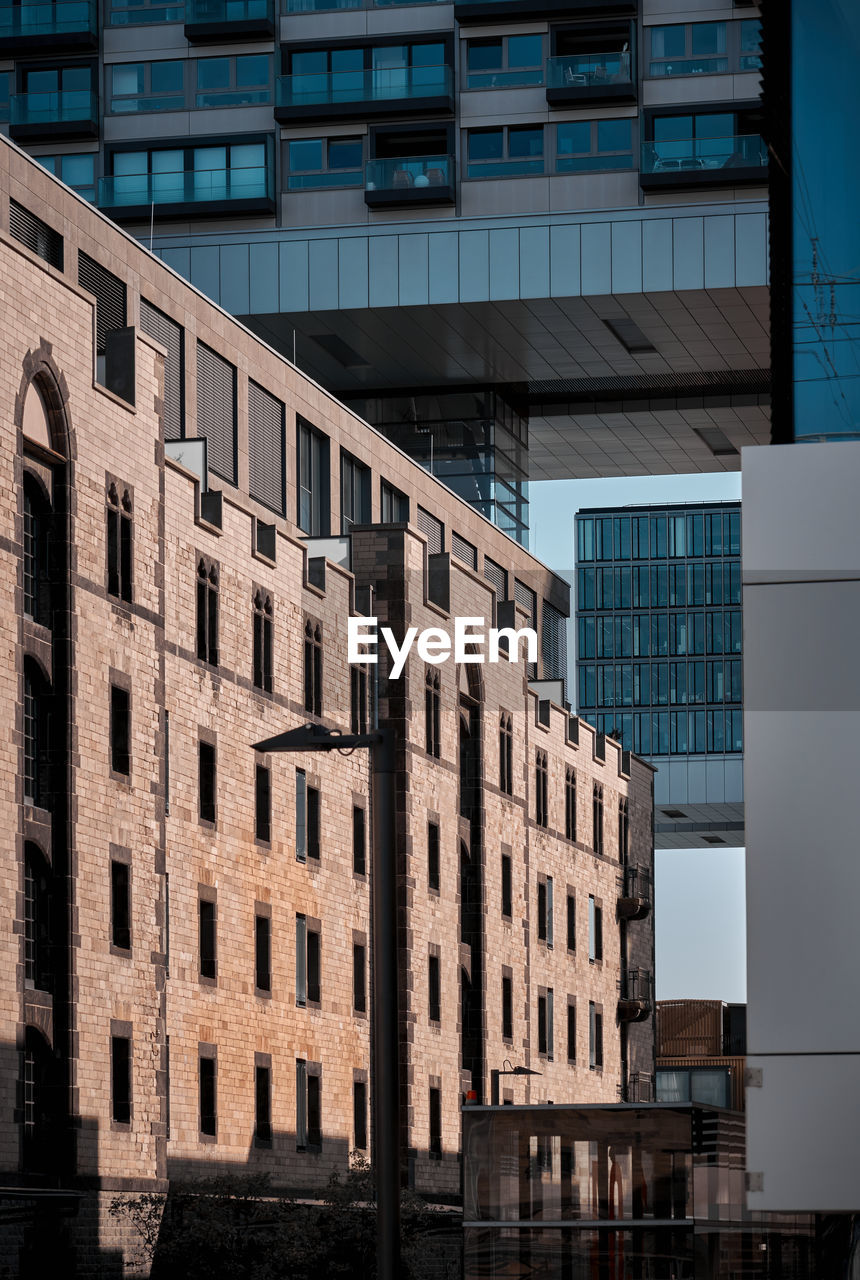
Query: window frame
x,y
505,161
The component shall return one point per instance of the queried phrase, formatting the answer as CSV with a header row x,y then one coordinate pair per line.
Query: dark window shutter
x,y
433,529
36,235
553,643
216,411
497,577
171,336
266,448
110,295
464,550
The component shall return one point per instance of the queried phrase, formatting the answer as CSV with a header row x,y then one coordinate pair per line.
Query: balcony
x,y
220,21
634,894
635,996
583,79
188,194
503,10
703,162
348,95
69,113
65,24
421,180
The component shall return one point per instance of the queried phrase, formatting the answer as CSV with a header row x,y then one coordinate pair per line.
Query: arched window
x,y
35,736
432,712
36,514
37,918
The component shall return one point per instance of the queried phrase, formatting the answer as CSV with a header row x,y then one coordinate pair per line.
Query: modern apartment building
x,y
659,656
188,522
526,240
700,1052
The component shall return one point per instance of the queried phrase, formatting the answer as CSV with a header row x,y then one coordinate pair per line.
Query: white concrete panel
x,y
696,780
679,782
353,279
802,1133
205,273
293,275
719,252
751,249
443,251
413,266
564,247
235,277
688,253
322,275
383,271
534,262
504,264
657,271
596,260
474,266
821,482
263,273
626,257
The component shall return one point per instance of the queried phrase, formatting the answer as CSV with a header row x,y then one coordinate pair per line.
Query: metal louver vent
x,y
433,529
110,295
266,448
525,597
172,337
216,411
553,643
464,550
36,235
497,577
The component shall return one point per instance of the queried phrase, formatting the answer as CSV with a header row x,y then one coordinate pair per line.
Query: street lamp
x,y
506,1070
384,1042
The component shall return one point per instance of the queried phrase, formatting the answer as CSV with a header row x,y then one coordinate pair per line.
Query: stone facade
x,y
148,1022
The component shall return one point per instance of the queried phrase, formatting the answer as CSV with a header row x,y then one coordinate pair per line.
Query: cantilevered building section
x,y
527,240
189,522
659,656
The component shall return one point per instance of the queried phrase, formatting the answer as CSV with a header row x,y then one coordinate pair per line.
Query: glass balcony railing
x,y
690,156
228,11
377,84
61,107
65,17
588,70
420,173
126,14
198,186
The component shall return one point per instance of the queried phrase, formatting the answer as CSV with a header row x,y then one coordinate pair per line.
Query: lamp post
x,y
384,1042
506,1070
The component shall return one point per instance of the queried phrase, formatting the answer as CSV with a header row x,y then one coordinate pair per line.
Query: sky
x,y
700,912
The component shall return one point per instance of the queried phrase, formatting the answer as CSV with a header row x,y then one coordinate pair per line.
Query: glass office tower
x,y
659,655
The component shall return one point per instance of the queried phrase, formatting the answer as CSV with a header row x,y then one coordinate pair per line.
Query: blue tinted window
x,y
128,78
314,61
166,77
306,154
709,37
525,51
574,137
668,42
613,135
486,144
716,125
344,153
484,55
669,128
213,73
525,141
79,171
253,69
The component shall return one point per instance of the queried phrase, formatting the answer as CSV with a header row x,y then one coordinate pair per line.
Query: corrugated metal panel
x,y
110,295
216,410
497,577
464,550
171,336
689,1028
433,529
36,235
266,448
